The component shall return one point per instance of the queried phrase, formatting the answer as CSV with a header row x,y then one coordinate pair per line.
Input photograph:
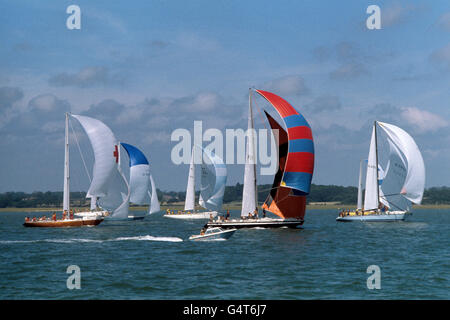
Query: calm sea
x,y
152,259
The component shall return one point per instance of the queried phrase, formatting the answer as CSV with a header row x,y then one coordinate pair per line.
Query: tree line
x,y
318,193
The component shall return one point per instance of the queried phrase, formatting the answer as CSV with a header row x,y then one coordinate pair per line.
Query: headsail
x,y
139,174
296,160
407,159
141,181
154,202
118,196
213,181
282,200
392,182
105,149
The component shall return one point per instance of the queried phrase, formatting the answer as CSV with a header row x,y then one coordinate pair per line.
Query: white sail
x,y
409,159
118,196
359,206
93,203
371,193
249,199
105,149
213,181
154,202
189,203
140,184
393,178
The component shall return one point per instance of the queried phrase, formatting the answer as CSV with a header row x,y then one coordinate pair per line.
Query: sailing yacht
x,y
291,185
213,181
390,192
108,189
104,145
141,181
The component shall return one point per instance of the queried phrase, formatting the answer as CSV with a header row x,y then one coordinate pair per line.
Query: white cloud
x,y
423,120
395,14
288,85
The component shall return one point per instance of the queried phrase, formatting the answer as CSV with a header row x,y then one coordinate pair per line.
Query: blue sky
x,y
149,67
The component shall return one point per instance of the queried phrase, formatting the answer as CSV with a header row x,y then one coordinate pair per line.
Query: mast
x,y
253,149
359,206
376,168
66,195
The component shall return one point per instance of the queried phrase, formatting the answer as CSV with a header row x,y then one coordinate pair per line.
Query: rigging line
x,y
393,204
81,154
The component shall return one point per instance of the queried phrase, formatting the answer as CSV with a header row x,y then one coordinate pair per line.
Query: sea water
x,y
152,259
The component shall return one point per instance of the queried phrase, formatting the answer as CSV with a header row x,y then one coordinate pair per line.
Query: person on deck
x,y
255,213
71,215
54,216
27,219
264,212
228,214
34,219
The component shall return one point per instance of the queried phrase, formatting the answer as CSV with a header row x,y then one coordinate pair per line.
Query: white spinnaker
x,y
414,183
371,194
154,203
139,184
189,203
118,196
249,201
394,178
213,181
104,145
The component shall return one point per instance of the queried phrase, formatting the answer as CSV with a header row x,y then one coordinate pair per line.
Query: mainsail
x,y
360,185
213,181
249,194
292,181
371,195
189,204
141,180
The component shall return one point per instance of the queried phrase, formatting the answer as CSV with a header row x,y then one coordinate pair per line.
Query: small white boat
x,y
191,215
213,234
256,223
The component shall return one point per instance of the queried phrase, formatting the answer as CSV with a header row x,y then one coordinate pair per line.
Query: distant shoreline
x,y
231,206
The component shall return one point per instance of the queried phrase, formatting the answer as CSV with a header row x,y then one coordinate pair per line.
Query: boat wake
x,y
150,238
137,238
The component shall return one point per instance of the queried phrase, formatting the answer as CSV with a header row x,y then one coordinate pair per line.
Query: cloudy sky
x,y
150,67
